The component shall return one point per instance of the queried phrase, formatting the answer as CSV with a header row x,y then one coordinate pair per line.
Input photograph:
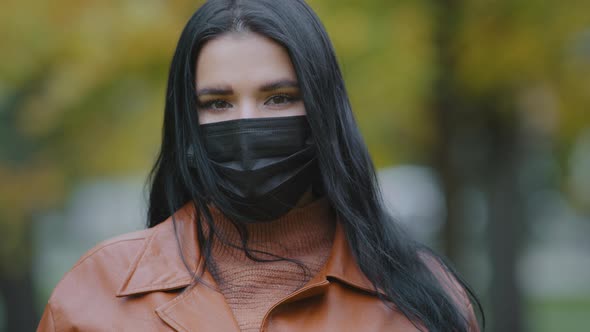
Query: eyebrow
x,y
286,83
227,90
218,91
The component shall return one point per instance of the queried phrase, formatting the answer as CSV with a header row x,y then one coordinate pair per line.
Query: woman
x,y
264,210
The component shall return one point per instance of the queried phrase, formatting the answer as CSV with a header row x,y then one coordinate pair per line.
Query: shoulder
x,y
92,284
89,294
106,267
106,260
111,253
96,276
123,245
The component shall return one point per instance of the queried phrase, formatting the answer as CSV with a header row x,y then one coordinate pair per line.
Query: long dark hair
x,y
393,262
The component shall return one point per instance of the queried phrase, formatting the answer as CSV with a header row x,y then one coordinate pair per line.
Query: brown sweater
x,y
251,288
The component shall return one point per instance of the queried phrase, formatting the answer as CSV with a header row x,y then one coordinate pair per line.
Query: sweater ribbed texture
x,y
251,288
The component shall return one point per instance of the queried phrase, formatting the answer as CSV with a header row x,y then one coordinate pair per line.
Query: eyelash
x,y
288,98
209,104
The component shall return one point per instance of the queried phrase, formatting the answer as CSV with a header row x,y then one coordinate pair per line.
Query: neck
x,y
309,217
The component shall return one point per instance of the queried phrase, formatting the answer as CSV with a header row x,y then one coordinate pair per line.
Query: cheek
x,y
299,109
209,117
292,110
203,118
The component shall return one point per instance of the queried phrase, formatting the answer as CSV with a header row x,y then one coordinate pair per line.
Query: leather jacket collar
x,y
159,267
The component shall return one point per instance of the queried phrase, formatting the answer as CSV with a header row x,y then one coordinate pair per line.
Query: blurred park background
x,y
476,112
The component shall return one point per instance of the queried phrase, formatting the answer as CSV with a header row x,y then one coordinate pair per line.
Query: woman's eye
x,y
279,100
215,105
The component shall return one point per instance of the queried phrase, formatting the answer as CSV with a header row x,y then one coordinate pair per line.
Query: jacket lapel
x,y
159,267
342,265
199,308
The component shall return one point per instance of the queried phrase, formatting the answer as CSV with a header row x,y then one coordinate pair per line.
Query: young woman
x,y
264,209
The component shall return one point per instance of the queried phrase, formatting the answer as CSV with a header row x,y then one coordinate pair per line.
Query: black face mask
x,y
264,165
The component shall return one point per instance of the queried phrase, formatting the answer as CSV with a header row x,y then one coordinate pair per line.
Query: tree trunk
x,y
506,223
445,108
487,157
17,290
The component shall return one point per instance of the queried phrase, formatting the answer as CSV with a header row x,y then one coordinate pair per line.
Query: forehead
x,y
246,58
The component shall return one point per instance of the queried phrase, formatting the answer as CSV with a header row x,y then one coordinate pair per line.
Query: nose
x,y
249,109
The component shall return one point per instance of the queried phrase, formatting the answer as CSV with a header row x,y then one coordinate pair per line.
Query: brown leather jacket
x,y
138,282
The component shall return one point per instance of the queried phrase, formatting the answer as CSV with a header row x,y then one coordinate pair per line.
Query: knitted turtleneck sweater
x,y
250,288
